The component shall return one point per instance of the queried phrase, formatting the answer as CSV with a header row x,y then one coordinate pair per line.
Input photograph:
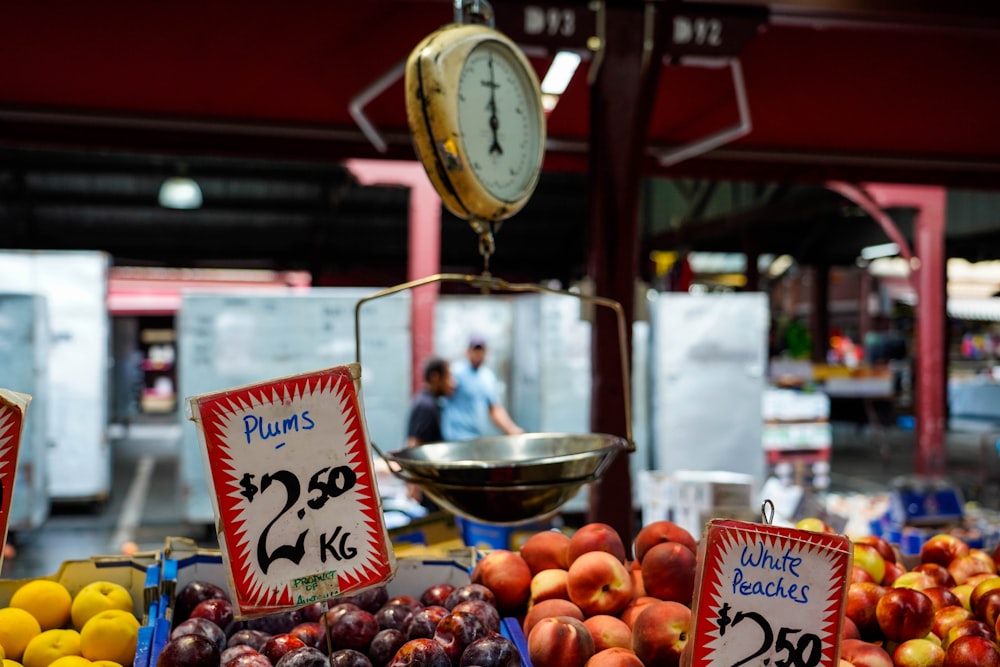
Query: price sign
x,y
769,596
299,513
13,407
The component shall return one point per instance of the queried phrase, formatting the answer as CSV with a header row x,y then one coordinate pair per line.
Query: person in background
x,y
476,398
424,423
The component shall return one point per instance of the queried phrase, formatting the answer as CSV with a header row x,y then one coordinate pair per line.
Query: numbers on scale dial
x,y
806,643
328,483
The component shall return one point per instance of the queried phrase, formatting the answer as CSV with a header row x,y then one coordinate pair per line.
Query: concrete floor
x,y
863,461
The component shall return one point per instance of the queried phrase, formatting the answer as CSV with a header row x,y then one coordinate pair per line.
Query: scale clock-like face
x,y
474,109
498,118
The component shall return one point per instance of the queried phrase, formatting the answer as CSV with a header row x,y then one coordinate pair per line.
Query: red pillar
x,y
424,247
930,279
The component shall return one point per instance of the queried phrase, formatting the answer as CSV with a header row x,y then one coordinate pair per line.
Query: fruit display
x,y
44,623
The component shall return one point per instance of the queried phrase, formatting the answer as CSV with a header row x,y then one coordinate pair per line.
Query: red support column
x,y
424,247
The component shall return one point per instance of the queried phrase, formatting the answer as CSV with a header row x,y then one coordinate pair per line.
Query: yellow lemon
x,y
49,646
71,661
110,635
48,601
96,597
17,628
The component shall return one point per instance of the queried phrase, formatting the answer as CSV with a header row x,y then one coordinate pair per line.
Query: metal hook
x,y
474,11
767,512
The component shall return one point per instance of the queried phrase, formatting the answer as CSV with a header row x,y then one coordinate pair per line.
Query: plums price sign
x,y
299,513
13,407
768,596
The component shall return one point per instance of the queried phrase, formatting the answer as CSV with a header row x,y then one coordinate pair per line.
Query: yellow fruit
x,y
110,635
17,628
48,601
2,655
103,663
71,661
47,647
11,663
96,597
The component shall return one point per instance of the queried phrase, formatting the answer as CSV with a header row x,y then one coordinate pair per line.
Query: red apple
x,y
547,608
942,549
948,617
560,641
599,583
972,651
549,584
668,572
615,657
864,654
507,575
904,613
660,633
862,600
661,531
918,653
608,631
595,536
868,558
546,550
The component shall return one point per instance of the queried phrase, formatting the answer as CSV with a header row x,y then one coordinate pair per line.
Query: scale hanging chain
x,y
474,12
487,246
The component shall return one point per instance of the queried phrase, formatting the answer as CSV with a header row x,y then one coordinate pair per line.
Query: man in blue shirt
x,y
424,423
476,398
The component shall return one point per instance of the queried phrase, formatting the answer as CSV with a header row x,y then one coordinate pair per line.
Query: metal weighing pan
x,y
507,479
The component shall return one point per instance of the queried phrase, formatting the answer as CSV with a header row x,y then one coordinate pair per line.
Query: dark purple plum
x,y
425,622
192,594
456,631
484,611
436,595
348,657
277,623
420,653
248,660
252,638
217,610
384,646
491,651
371,600
233,651
202,627
311,633
305,656
354,629
397,616
280,644
470,592
313,612
404,600
189,651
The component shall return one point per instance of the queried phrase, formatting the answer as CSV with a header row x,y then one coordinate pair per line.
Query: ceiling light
x,y
180,192
560,72
881,250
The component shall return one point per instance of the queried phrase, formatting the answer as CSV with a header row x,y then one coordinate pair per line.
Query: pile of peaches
x,y
584,602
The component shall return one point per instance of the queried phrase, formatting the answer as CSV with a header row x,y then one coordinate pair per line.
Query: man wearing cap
x,y
476,398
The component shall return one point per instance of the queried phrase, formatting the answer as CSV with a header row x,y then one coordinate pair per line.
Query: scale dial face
x,y
499,121
474,107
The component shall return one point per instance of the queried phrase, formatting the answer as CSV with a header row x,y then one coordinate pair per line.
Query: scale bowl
x,y
511,460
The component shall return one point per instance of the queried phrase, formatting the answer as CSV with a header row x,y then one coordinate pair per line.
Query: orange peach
x,y
599,583
596,536
609,631
547,608
668,572
507,575
615,657
548,585
560,641
660,633
635,607
661,531
546,550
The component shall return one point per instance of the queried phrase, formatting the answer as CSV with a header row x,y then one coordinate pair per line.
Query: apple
x,y
280,644
904,613
547,608
436,594
862,600
599,583
189,651
942,597
918,653
487,614
615,657
202,627
420,652
660,633
972,651
384,645
868,558
307,656
354,629
471,591
546,550
506,574
595,536
549,584
491,651
560,641
861,653
939,573
668,572
948,617
194,593
635,607
609,631
973,627
456,631
424,621
661,531
813,524
942,549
